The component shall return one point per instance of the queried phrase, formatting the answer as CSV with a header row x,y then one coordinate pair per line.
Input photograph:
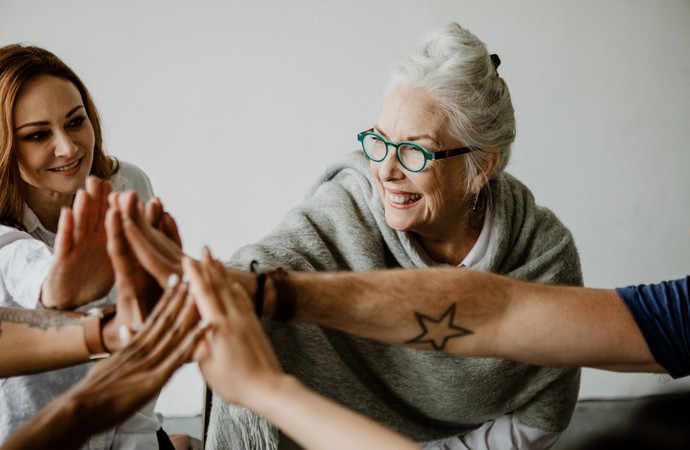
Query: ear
x,y
491,162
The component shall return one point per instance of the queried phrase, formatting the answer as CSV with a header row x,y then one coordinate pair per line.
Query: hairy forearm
x,y
472,313
37,340
316,422
441,309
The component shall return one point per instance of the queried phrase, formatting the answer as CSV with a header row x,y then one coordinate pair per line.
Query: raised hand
x,y
81,271
117,386
152,236
236,357
137,290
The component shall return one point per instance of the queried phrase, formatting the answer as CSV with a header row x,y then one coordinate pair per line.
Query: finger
x,y
234,302
80,209
204,345
147,254
106,189
209,304
93,211
183,353
134,212
169,228
164,314
154,212
117,247
63,238
165,338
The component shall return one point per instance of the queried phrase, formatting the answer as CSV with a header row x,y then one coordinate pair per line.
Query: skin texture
x,y
137,290
81,270
473,313
458,311
238,362
119,385
52,132
39,340
440,216
36,340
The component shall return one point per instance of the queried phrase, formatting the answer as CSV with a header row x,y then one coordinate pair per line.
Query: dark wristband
x,y
260,288
286,302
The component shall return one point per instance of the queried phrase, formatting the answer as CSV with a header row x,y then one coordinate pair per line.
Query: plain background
x,y
234,108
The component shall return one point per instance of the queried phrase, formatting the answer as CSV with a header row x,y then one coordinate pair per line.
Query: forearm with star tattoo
x,y
473,313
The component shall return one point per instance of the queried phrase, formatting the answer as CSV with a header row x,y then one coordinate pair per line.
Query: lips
x,y
402,198
67,167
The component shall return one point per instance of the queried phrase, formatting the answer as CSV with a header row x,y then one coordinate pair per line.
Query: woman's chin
x,y
397,224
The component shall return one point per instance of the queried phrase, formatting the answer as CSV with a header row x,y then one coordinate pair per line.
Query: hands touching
x,y
151,234
238,362
236,358
119,385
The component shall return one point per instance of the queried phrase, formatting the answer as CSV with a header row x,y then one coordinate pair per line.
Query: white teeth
x,y
402,199
71,166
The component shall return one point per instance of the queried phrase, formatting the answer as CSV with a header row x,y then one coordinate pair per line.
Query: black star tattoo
x,y
437,332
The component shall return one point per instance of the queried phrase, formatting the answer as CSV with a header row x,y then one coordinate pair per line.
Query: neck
x,y
454,245
46,204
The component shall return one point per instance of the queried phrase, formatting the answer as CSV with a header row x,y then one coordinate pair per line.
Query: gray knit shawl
x,y
425,395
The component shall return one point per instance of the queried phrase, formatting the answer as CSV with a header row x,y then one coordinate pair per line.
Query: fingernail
x,y
203,324
173,279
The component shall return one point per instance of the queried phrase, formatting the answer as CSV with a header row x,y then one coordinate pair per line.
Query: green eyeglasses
x,y
411,156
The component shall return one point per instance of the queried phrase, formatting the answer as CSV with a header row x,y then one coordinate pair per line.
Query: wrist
x,y
110,332
284,300
93,323
272,393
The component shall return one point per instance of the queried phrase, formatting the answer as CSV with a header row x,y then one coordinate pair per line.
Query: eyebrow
x,y
410,138
42,123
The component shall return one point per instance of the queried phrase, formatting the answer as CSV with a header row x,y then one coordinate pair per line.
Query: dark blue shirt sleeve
x,y
662,311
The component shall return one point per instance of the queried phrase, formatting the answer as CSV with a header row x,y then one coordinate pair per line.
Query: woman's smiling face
x,y
431,202
54,139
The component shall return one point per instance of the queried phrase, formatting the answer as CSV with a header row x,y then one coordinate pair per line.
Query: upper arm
x,y
24,265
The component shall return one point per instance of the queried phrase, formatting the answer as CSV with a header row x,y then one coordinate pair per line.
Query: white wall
x,y
233,108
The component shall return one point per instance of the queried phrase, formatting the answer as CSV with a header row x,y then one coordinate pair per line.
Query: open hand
x,y
81,271
236,358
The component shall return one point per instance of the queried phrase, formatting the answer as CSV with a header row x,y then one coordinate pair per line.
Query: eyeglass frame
x,y
428,156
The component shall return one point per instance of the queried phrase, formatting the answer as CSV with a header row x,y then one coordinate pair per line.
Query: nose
x,y
65,147
390,168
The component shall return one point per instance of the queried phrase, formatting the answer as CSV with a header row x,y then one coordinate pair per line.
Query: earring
x,y
476,201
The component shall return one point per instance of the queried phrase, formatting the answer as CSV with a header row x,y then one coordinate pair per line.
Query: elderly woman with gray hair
x,y
428,189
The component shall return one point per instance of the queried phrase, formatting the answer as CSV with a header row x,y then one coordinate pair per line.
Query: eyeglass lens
x,y
410,156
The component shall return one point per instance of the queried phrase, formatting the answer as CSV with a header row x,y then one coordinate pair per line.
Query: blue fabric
x,y
662,311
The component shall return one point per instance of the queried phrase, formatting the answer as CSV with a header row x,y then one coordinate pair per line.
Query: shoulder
x,y
130,177
9,235
661,312
350,174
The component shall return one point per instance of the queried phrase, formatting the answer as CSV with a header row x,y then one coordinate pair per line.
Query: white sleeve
x,y
24,265
505,432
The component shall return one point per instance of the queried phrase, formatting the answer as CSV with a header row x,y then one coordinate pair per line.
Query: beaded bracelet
x,y
260,288
286,303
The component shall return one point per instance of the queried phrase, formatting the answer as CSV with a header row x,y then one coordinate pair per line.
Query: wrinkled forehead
x,y
407,112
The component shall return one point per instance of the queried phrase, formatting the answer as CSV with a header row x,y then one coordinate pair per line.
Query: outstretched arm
x,y
463,312
474,313
238,362
119,385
